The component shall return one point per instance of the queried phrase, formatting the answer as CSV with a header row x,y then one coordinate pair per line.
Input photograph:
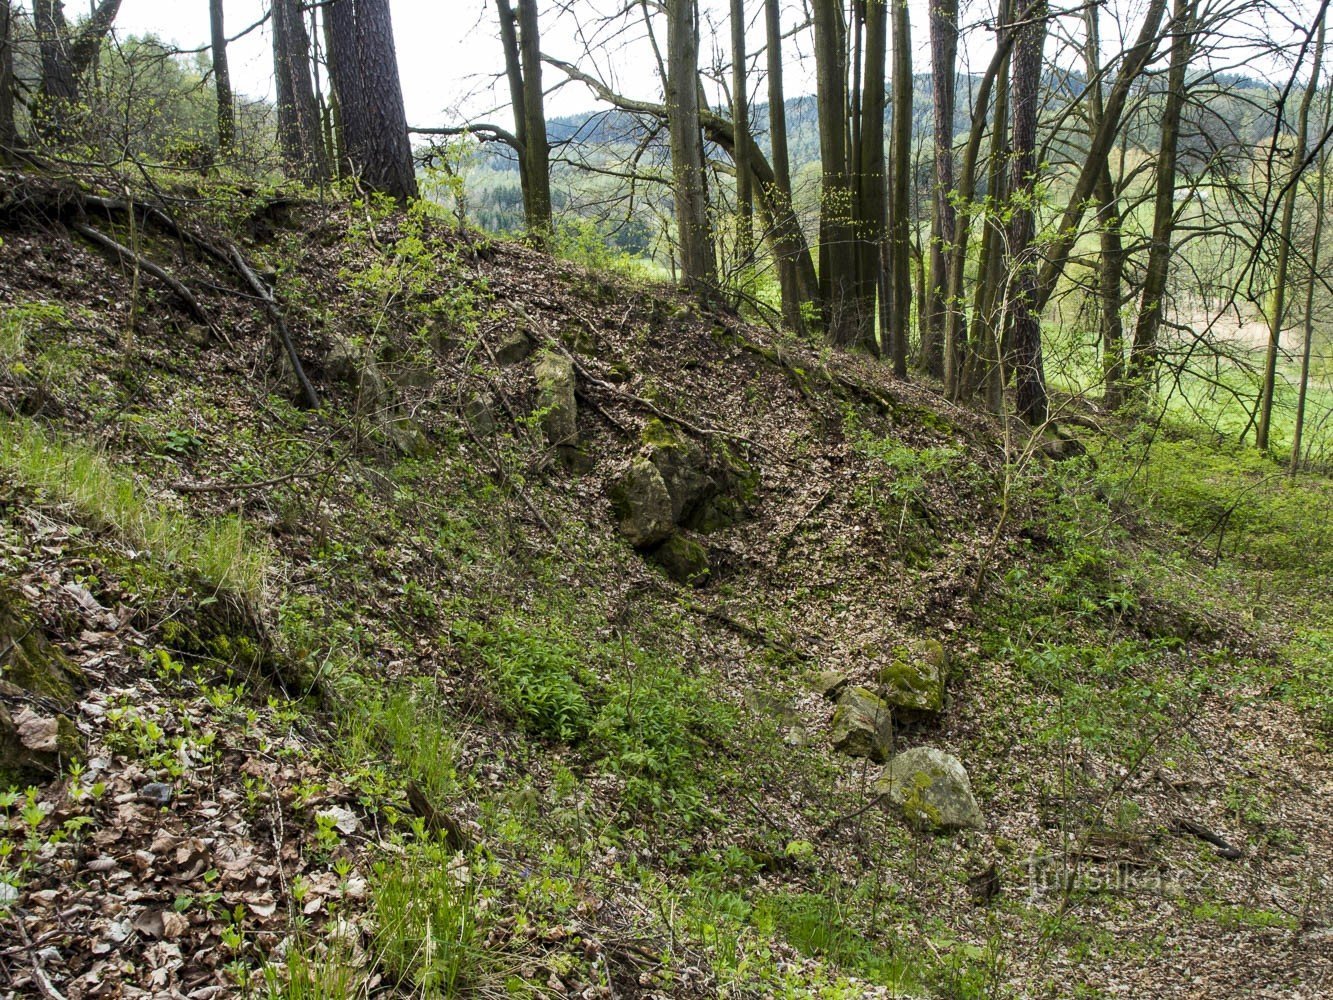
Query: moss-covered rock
x,y
512,346
684,559
642,505
914,678
683,464
931,789
38,737
556,401
862,725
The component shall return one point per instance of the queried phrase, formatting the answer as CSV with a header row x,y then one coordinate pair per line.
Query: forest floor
x,y
376,699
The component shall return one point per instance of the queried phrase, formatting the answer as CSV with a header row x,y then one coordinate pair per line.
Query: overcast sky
x,y
449,50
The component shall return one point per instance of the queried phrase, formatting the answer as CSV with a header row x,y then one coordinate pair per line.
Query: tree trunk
x,y
1143,351
837,249
695,236
740,116
1111,262
795,291
966,372
299,134
536,147
1278,305
938,358
364,68
8,131
1316,244
871,186
1026,349
226,111
900,222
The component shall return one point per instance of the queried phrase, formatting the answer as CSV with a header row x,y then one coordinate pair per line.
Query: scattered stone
x,y
555,399
1061,449
512,346
830,683
932,790
914,678
643,505
479,412
157,793
763,702
862,725
343,819
684,559
350,363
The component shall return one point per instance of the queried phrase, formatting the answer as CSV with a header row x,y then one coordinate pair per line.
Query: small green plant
x,y
427,922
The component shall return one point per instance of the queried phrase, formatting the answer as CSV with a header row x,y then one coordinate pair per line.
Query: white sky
x,y
449,50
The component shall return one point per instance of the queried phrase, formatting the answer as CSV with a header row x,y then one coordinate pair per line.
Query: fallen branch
x,y
144,264
1224,849
280,330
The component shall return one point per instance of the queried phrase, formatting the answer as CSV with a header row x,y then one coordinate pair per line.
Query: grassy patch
x,y
220,550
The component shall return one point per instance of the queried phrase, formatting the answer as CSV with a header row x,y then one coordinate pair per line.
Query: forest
x,y
672,498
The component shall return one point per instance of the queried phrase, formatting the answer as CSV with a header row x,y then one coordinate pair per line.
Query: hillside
x,y
586,642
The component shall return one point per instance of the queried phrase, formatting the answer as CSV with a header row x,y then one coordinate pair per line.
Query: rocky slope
x,y
583,642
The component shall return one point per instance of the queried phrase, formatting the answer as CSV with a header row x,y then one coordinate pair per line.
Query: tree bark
x,y
1316,242
8,130
837,248
1278,306
364,68
871,183
899,256
740,116
695,237
65,57
937,357
795,291
1025,358
226,110
299,134
1143,352
537,149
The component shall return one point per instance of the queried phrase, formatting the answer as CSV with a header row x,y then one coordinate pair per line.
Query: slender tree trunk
x,y
1278,306
698,263
967,360
536,147
8,131
1143,351
837,249
900,222
1026,354
937,357
987,335
299,132
226,111
871,180
517,97
1316,241
795,290
740,116
1111,263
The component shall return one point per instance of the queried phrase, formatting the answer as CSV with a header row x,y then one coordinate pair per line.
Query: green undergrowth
x,y
221,551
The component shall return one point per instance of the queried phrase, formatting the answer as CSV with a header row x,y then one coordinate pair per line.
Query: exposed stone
x,y
684,559
1061,449
350,363
512,346
34,741
156,793
684,468
862,725
914,678
642,505
555,399
479,412
829,683
932,790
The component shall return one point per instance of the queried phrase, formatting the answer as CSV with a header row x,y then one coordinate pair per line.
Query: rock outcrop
x,y
862,725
